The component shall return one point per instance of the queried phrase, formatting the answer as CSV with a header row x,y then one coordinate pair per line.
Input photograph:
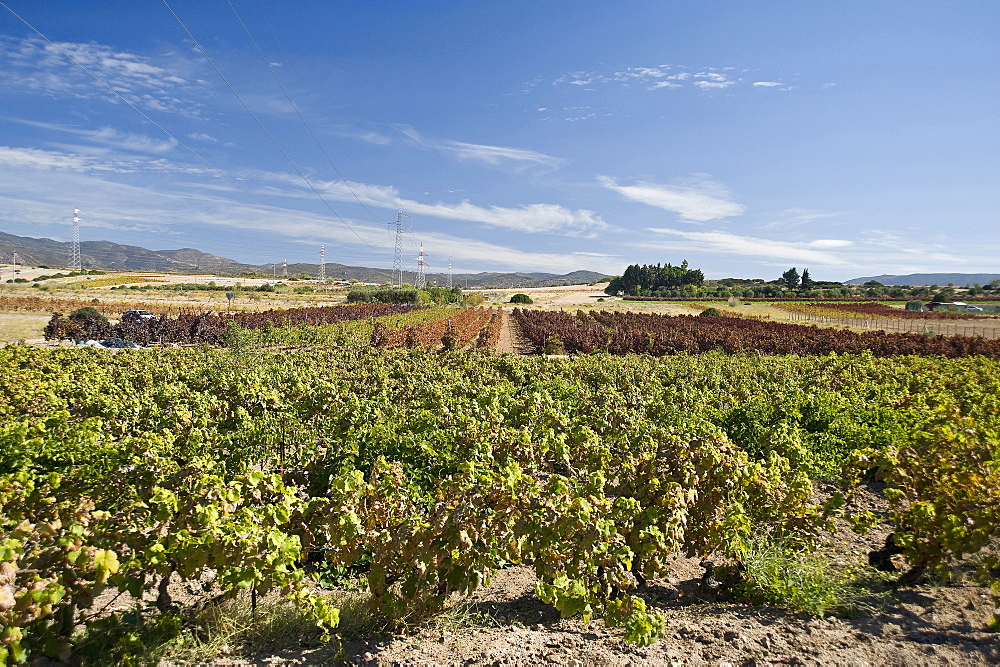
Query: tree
x,y
614,287
945,294
87,313
632,280
647,279
807,281
790,278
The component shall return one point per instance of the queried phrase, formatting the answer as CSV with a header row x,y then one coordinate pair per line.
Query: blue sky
x,y
849,138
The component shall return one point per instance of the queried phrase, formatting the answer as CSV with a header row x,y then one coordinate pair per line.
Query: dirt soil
x,y
918,626
505,624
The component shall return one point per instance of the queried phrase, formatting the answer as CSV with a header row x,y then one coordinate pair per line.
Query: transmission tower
x,y
75,264
449,273
421,276
322,263
397,261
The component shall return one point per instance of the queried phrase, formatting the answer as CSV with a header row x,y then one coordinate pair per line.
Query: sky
x,y
850,138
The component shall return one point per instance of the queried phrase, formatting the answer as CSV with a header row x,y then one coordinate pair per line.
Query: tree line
x,y
668,281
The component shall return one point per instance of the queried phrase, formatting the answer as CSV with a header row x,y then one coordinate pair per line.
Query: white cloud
x,y
492,155
129,141
705,85
109,137
32,158
36,66
86,159
530,218
883,242
30,201
798,217
497,154
653,77
527,218
373,138
201,136
767,84
811,252
696,201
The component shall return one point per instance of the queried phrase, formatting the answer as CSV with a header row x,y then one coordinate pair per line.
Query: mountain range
x,y
941,279
110,256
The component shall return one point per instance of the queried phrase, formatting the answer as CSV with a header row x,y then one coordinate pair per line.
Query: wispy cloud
x,y
920,253
657,77
530,218
767,84
799,217
367,136
498,154
85,159
35,66
527,218
130,141
491,155
817,252
109,137
698,200
28,199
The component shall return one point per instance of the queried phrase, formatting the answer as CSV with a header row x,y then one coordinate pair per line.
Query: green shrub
x,y
521,298
471,299
710,312
87,313
386,294
554,345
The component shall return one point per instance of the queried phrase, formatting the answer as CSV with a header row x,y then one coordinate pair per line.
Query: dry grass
x,y
16,327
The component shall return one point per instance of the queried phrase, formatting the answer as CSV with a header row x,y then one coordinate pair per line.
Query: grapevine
x,y
658,335
427,473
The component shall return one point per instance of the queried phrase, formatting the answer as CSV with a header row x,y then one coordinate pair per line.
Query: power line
x,y
261,125
298,113
139,111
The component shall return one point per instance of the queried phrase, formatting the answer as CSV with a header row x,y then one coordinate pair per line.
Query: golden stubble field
x,y
17,324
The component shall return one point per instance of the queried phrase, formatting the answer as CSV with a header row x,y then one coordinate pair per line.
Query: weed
x,y
779,574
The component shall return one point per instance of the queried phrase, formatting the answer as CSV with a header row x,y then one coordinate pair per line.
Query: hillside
x,y
957,279
117,257
114,256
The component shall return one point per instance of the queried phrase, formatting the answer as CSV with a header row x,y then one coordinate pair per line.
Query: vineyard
x,y
212,328
114,281
420,476
42,304
876,310
479,326
659,335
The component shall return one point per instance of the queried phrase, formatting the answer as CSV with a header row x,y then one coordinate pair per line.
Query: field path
x,y
511,340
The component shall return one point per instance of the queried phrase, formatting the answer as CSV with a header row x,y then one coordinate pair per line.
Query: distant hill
x,y
117,257
957,279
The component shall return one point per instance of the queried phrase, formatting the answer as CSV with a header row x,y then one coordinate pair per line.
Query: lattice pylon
x,y
75,263
421,276
397,258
